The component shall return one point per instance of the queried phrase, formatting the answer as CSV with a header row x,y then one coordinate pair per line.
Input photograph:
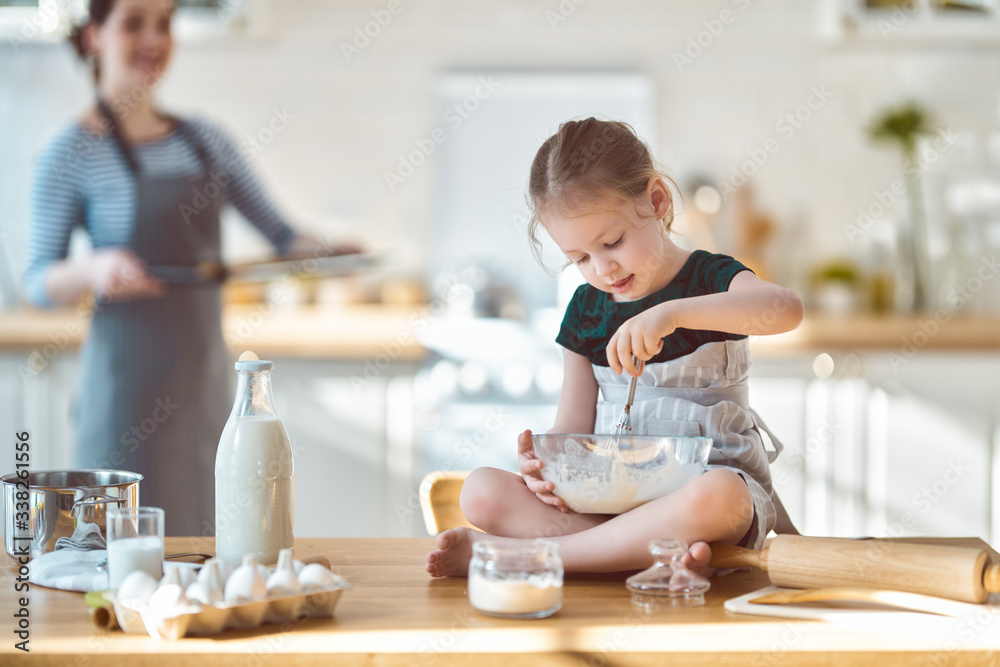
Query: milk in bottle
x,y
253,473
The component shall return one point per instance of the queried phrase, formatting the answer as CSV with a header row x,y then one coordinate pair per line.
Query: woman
x,y
155,375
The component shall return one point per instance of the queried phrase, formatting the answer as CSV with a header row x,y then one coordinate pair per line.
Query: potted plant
x,y
835,285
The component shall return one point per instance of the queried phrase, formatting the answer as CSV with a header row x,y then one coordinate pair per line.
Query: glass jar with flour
x,y
516,578
253,473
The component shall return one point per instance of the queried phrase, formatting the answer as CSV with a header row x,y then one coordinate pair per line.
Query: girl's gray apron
x,y
704,393
155,388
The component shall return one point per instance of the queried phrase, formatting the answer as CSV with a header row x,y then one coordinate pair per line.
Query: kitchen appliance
x,y
49,503
796,561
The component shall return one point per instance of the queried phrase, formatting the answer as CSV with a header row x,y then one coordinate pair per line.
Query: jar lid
x,y
254,365
506,546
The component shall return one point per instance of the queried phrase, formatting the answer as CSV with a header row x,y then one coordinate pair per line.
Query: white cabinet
x,y
38,398
882,448
355,470
878,448
352,438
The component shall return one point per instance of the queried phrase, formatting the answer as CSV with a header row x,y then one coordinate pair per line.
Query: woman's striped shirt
x,y
81,178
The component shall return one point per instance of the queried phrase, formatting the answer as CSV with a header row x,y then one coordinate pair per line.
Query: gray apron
x,y
704,393
155,382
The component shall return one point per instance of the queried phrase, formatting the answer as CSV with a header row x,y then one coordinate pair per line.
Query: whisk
x,y
624,425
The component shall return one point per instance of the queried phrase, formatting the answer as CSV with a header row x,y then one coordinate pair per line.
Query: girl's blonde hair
x,y
585,161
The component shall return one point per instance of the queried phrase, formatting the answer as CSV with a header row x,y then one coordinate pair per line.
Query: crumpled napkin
x,y
69,570
86,536
73,564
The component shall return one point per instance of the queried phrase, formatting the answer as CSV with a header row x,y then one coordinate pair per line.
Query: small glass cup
x,y
135,542
516,578
667,583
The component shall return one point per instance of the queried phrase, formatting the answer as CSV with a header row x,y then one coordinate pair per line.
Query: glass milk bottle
x,y
253,473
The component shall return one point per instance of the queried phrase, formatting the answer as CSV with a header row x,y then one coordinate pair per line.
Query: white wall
x,y
354,119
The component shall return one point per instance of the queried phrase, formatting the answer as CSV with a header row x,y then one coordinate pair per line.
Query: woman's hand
x,y
116,274
641,336
530,466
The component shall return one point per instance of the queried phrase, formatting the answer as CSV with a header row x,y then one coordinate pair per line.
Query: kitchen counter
x,y
397,615
899,333
351,332
365,331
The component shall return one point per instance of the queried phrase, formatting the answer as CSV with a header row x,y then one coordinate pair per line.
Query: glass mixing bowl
x,y
605,474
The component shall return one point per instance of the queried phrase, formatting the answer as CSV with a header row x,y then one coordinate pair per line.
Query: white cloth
x,y
73,564
69,570
86,536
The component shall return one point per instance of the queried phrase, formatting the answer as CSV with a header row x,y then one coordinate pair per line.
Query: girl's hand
x,y
641,336
116,274
530,466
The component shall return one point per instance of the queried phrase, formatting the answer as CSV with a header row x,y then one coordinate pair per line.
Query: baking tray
x,y
328,266
874,618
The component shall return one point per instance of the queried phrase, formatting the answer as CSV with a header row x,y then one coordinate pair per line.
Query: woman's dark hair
x,y
97,14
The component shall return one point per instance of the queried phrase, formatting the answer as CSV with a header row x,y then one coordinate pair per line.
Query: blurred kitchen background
x,y
410,128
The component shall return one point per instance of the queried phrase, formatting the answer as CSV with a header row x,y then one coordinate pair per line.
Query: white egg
x,y
210,581
283,581
316,577
246,583
201,594
136,588
222,568
167,598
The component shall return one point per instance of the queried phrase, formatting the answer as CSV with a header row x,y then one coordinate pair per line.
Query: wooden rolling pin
x,y
796,561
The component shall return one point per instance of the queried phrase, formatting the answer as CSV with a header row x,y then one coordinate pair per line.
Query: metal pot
x,y
49,503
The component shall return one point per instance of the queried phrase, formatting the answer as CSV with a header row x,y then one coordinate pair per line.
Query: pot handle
x,y
94,500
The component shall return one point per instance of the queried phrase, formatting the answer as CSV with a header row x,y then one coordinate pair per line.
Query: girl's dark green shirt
x,y
593,317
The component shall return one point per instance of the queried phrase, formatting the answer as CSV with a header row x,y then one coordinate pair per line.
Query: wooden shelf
x,y
364,331
868,332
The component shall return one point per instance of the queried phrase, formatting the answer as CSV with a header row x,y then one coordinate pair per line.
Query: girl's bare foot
x,y
453,554
697,559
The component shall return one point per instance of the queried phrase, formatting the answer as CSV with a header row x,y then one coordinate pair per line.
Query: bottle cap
x,y
254,365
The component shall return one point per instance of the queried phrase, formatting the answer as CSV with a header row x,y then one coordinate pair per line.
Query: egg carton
x,y
194,620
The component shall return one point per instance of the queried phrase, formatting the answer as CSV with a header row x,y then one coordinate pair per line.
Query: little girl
x,y
597,193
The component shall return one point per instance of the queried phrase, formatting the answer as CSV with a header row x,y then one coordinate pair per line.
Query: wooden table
x,y
397,615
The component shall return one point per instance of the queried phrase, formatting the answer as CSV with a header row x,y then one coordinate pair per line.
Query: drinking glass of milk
x,y
135,542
